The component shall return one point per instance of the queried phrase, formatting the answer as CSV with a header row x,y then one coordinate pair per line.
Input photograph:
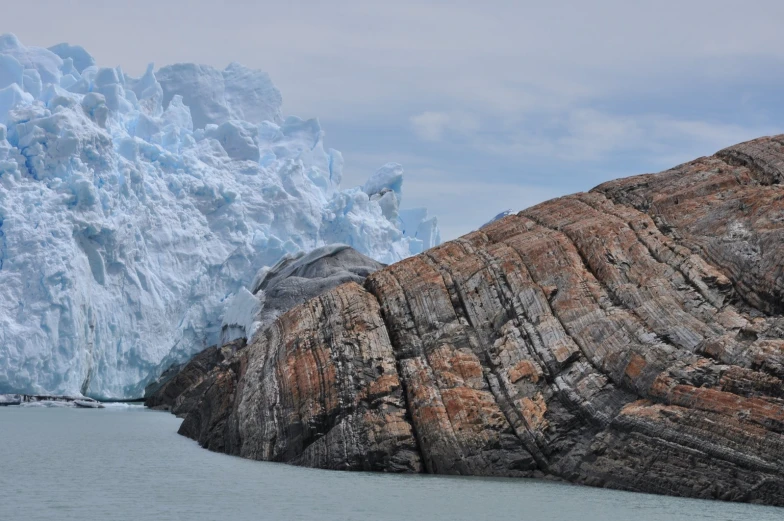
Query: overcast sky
x,y
488,105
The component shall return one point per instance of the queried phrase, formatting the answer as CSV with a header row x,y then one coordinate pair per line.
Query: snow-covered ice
x,y
133,210
498,217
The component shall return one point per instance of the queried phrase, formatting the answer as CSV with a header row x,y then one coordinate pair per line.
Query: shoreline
x,y
51,400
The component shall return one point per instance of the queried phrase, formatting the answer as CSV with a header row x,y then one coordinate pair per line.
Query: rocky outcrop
x,y
292,281
299,278
181,387
631,337
326,393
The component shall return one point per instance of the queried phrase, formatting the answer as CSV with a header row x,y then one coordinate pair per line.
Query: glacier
x,y
135,210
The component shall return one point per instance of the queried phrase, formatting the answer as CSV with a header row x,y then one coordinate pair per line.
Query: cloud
x,y
508,96
430,126
586,134
591,135
464,205
435,126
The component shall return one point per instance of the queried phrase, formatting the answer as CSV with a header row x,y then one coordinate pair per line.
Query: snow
x,y
498,217
133,210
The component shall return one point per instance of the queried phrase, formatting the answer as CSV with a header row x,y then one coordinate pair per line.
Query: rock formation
x,y
180,387
292,281
631,337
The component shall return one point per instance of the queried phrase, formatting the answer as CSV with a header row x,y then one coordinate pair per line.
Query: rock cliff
x,y
293,280
630,337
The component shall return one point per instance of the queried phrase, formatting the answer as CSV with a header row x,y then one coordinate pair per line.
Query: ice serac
x,y
631,337
133,211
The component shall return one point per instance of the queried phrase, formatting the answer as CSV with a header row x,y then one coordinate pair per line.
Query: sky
x,y
488,105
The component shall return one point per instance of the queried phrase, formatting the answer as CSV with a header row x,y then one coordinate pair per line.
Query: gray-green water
x,y
129,464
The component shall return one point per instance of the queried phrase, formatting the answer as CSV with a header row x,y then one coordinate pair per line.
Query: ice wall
x,y
132,210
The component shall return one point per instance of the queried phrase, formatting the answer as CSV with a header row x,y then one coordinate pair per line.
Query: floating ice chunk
x,y
122,405
50,404
10,399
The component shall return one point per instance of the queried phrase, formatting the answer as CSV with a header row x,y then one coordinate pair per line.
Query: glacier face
x,y
133,210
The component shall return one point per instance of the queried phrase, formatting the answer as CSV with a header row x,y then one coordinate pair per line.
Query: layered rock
x,y
293,280
180,388
325,394
631,337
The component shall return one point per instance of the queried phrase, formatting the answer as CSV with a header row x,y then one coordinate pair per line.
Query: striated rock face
x,y
324,392
180,388
631,337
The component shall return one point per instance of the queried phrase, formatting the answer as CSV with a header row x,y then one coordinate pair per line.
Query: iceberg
x,y
135,210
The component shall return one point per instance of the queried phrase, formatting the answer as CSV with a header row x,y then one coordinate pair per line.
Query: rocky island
x,y
631,337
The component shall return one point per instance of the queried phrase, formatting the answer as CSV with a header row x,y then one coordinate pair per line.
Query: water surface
x,y
129,464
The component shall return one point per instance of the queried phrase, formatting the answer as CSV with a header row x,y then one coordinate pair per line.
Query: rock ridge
x,y
630,337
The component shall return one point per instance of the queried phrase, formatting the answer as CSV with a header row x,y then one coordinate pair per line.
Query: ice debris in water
x,y
133,209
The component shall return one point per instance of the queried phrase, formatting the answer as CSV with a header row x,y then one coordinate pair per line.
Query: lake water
x,y
129,464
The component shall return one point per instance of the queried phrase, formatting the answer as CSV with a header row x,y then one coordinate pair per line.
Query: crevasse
x,y
133,210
